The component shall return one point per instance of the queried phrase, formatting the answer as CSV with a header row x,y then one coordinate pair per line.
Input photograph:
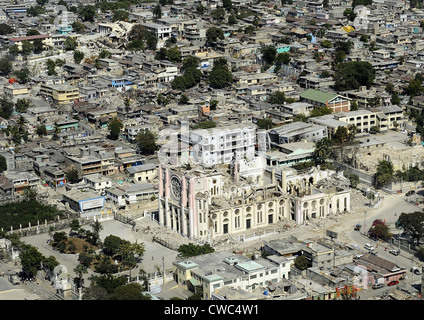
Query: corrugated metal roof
x,y
316,95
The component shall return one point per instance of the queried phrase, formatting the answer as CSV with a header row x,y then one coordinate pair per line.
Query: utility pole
x,y
365,215
163,267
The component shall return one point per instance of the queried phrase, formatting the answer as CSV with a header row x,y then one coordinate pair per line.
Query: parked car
x,y
375,253
416,270
410,193
393,283
378,285
358,256
394,252
369,247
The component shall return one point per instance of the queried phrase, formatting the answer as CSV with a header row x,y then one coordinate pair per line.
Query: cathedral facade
x,y
208,203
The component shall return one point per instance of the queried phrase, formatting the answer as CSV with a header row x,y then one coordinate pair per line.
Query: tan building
x,y
16,90
46,39
60,93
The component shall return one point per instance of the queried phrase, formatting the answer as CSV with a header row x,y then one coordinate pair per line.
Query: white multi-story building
x,y
219,270
222,145
162,31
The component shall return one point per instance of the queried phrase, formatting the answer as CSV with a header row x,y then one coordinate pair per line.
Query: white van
x,y
369,247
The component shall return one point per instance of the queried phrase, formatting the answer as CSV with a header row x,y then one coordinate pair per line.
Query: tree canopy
x,y
412,223
220,76
191,250
354,74
146,142
384,173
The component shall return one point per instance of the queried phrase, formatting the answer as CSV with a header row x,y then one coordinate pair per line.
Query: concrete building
x,y
335,102
211,272
297,131
222,144
60,94
87,203
206,203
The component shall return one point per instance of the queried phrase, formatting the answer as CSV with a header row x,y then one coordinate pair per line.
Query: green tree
x,y
179,83
326,44
339,57
14,50
277,97
87,13
22,104
75,226
72,175
80,270
5,65
120,15
200,9
320,111
191,250
70,44
22,75
51,67
395,98
412,223
269,54
151,40
157,12
6,108
301,262
146,142
227,4
345,46
105,54
352,75
35,11
115,126
384,173
213,34
3,164
130,291
283,58
101,287
218,14
265,124
220,76
322,150
6,29
204,125
183,99
173,54
31,260
78,56
27,47
78,26
112,245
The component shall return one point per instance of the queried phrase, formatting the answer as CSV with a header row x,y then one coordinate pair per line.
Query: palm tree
x,y
96,227
80,270
56,131
322,150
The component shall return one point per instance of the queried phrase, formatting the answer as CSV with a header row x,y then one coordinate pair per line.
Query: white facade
x,y
222,145
207,204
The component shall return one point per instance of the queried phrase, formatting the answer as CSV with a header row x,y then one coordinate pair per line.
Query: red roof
x,y
37,36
